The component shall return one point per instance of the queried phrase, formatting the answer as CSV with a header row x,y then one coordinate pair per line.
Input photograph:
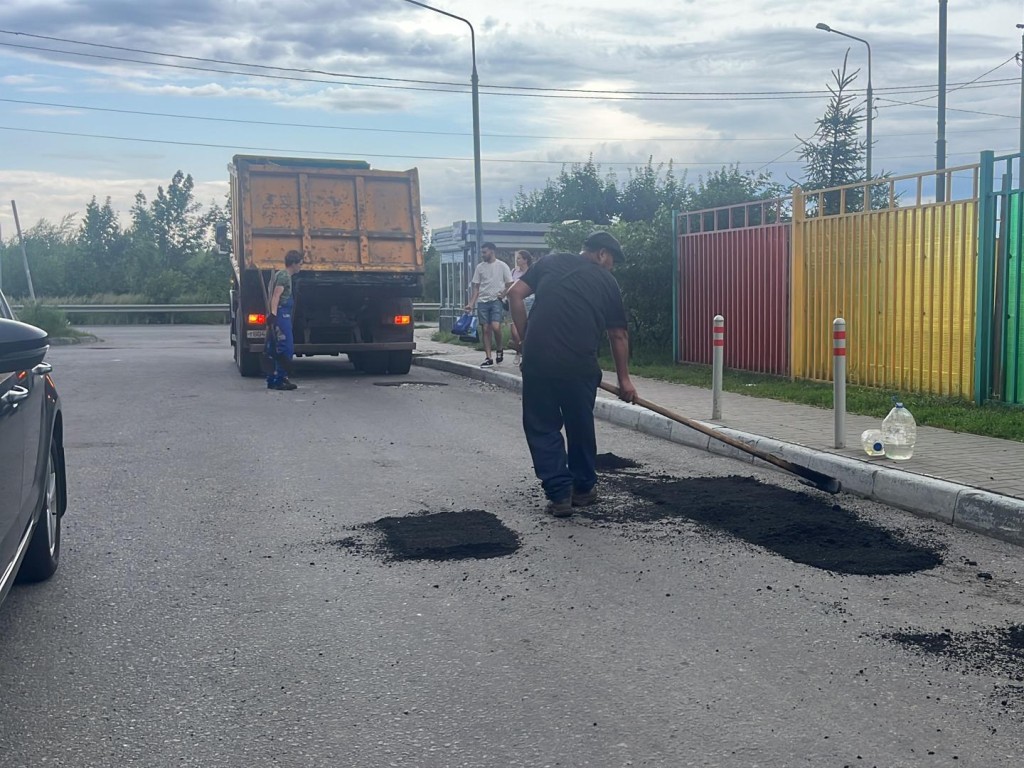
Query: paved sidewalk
x,y
966,461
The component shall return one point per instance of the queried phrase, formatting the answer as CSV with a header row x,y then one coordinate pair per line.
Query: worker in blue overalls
x,y
280,344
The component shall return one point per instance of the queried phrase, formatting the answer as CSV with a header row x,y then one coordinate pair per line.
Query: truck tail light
x,y
255,318
400,320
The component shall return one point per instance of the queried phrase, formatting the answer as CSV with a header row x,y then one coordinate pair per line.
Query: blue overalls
x,y
280,345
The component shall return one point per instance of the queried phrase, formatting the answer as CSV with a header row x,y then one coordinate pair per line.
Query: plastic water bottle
x,y
871,439
899,433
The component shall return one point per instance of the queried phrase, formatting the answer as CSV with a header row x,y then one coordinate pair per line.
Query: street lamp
x,y
475,82
827,28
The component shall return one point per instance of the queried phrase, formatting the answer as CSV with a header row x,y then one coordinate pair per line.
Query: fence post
x,y
718,349
839,379
984,310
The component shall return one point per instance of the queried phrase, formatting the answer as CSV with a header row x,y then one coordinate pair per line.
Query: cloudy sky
x,y
110,97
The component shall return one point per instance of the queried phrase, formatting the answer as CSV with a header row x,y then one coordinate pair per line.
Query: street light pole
x,y
1021,143
475,83
867,157
940,143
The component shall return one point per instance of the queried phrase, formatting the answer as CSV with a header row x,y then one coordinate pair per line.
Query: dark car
x,y
33,491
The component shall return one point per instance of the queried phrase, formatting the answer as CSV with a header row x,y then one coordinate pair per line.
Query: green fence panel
x,y
1013,349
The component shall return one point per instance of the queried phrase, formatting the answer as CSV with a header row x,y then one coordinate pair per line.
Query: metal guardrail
x,y
81,309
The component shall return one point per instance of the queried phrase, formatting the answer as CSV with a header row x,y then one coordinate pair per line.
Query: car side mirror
x,y
220,236
22,346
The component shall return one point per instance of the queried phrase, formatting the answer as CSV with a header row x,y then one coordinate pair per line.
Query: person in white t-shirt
x,y
491,279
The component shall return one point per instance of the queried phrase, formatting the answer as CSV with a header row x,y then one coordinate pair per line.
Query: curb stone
x,y
963,506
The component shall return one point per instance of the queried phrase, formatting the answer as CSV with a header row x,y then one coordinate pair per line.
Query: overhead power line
x,y
319,152
423,132
447,86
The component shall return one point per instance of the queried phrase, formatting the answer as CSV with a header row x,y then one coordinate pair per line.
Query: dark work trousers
x,y
549,404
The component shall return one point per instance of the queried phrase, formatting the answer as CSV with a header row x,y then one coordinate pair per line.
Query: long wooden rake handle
x,y
816,479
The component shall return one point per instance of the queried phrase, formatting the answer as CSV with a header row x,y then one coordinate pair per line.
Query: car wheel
x,y
43,552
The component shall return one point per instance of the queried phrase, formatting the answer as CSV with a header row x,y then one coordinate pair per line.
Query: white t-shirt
x,y
492,278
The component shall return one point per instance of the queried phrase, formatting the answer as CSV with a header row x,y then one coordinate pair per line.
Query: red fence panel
x,y
743,275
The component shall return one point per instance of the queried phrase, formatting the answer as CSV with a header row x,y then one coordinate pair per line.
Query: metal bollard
x,y
718,352
839,380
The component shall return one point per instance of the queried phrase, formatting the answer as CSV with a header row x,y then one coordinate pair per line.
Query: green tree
x,y
179,227
578,193
98,259
142,254
649,189
49,248
834,155
432,274
729,186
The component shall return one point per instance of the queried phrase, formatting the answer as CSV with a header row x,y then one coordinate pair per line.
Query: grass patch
x,y
989,420
51,319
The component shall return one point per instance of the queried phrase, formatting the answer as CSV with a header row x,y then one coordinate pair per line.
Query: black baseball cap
x,y
599,240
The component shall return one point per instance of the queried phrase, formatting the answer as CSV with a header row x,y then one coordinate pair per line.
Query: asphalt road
x,y
203,617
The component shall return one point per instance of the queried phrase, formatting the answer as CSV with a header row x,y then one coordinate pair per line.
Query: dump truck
x,y
360,233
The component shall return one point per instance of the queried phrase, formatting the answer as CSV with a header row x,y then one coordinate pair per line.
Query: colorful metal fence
x,y
1013,343
903,277
1000,337
905,274
734,261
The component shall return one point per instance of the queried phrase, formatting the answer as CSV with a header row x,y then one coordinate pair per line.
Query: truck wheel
x,y
356,359
248,362
399,362
374,363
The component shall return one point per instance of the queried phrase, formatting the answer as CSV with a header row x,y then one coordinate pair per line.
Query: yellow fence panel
x,y
904,280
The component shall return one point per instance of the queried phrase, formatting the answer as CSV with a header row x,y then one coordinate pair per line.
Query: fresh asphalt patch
x,y
997,652
469,534
801,527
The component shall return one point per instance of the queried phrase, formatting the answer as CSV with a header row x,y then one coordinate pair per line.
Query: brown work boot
x,y
584,498
561,508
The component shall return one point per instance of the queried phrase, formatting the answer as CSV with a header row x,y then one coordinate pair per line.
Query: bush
x,y
51,319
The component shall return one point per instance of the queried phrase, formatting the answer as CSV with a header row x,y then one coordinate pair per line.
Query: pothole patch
x,y
802,528
471,534
609,462
410,384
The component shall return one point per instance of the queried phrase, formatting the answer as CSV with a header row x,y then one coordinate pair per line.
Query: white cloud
x,y
52,196
653,46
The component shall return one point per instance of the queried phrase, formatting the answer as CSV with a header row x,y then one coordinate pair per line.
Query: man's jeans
x,y
548,405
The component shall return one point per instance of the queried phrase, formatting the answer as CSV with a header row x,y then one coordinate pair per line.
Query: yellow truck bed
x,y
341,215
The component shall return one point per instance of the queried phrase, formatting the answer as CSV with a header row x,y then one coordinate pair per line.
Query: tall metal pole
x,y
871,101
940,143
24,253
1021,142
475,86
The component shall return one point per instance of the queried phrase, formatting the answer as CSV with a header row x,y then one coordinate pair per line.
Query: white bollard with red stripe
x,y
718,353
839,379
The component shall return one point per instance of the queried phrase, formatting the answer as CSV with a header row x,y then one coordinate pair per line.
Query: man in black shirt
x,y
577,300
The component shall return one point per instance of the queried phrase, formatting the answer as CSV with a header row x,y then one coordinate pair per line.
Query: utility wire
x,y
323,126
455,87
706,164
964,85
950,109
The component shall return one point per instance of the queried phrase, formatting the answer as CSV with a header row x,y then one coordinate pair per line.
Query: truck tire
x,y
248,362
374,363
399,362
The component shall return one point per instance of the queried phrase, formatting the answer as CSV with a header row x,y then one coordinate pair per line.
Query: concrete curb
x,y
962,506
